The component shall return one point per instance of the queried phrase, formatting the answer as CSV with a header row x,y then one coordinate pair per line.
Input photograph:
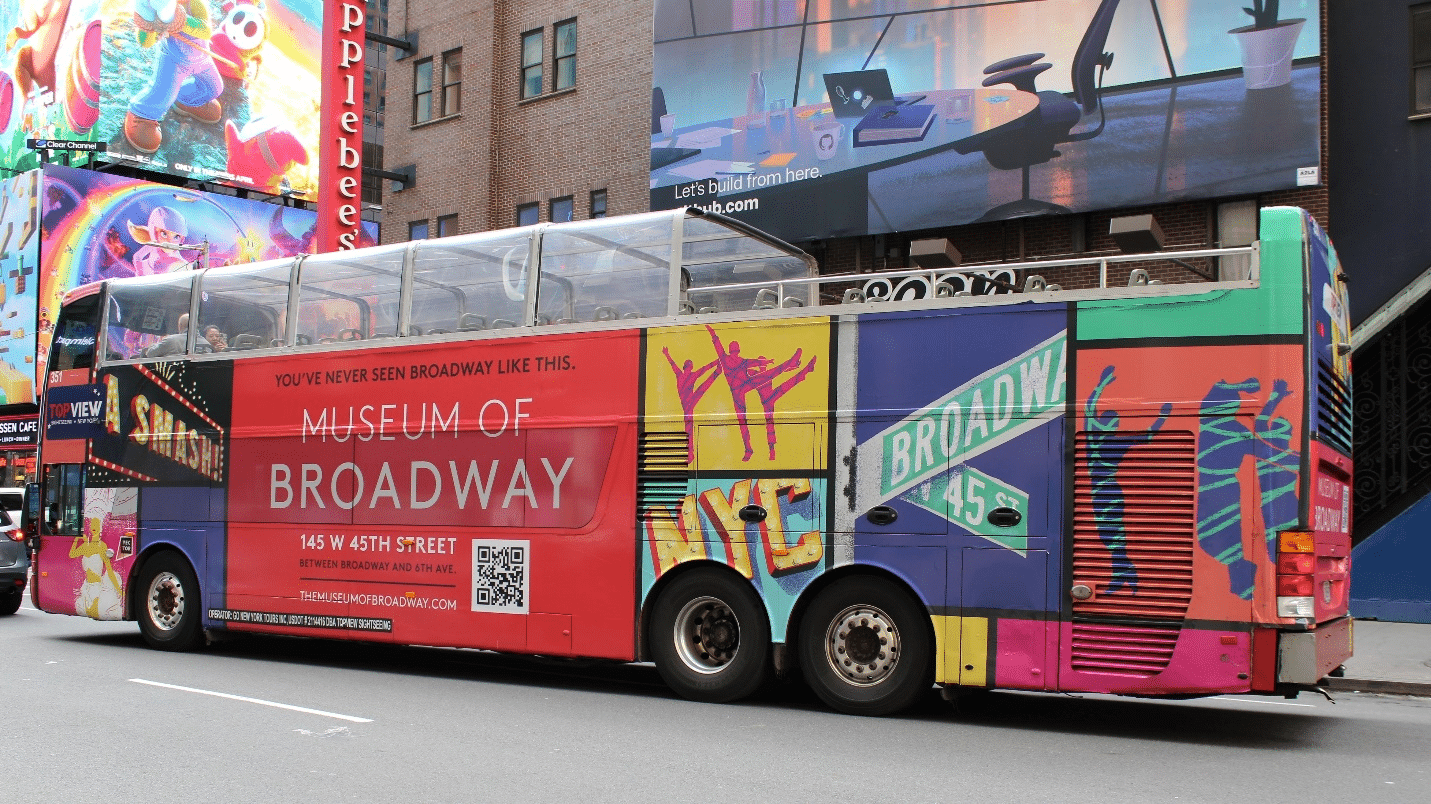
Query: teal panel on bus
x,y
1275,308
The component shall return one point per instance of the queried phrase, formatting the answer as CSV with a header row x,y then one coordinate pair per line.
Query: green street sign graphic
x,y
991,409
965,496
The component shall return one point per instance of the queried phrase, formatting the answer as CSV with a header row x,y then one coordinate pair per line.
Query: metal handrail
x,y
934,273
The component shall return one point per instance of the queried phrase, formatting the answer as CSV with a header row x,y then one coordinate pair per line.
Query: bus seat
x,y
438,331
943,290
687,308
605,313
471,321
707,310
246,341
634,314
503,323
766,299
304,340
853,296
791,301
1052,288
544,320
1034,284
1139,276
964,293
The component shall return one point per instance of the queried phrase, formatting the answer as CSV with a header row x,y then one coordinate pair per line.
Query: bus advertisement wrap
x,y
817,120
1009,491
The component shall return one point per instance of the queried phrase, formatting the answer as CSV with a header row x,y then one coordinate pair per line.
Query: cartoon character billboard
x,y
19,290
821,119
99,226
50,74
223,91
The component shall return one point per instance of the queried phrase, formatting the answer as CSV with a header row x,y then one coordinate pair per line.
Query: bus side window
x,y
73,346
64,499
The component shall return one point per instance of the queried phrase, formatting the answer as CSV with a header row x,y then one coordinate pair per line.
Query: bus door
x,y
75,571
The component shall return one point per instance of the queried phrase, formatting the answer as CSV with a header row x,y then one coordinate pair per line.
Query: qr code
x,y
500,577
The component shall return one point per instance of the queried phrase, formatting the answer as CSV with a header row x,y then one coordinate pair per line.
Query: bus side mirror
x,y
30,510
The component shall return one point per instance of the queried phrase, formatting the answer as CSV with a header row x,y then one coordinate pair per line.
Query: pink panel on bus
x,y
1202,662
1023,649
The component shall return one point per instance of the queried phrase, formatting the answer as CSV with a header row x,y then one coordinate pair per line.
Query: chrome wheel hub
x,y
862,645
707,635
166,601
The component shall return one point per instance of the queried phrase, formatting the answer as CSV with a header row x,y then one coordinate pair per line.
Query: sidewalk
x,y
1393,658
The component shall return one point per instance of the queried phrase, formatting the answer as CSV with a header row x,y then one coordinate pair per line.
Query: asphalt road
x,y
87,718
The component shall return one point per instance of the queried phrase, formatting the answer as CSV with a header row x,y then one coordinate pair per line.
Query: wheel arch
x,y
830,578
132,592
643,631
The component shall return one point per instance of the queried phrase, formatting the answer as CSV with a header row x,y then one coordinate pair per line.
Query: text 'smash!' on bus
x,y
665,437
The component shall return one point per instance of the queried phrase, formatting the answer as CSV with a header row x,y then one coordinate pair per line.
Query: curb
x,y
1373,685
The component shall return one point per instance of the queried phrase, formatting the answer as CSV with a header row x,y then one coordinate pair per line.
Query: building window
x,y
447,226
531,64
422,91
1421,59
528,214
417,230
598,203
561,209
564,54
452,82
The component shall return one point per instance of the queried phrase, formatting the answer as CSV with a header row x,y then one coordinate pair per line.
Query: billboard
x,y
822,118
98,226
219,91
19,290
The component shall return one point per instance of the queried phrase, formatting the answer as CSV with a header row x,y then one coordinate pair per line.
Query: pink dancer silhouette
x,y
757,374
690,388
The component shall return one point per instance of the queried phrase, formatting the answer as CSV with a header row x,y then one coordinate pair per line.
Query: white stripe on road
x,y
1266,703
258,701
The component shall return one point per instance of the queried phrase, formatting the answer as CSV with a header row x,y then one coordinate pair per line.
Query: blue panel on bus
x,y
960,432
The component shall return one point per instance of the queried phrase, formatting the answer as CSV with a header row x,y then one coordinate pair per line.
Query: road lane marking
x,y
1265,703
258,701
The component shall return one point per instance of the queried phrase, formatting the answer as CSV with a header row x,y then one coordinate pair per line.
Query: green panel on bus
x,y
1275,308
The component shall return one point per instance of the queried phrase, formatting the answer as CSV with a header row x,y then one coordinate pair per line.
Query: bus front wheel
x,y
865,647
710,637
168,603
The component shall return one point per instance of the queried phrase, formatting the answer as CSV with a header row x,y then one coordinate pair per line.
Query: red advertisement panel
x,y
456,494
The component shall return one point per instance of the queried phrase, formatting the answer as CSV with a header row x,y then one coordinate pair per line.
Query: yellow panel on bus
x,y
763,383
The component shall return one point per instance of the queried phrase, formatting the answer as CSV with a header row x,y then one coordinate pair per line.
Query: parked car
x,y
14,564
13,501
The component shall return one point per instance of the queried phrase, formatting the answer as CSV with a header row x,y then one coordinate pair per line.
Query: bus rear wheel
x,y
865,648
169,603
710,637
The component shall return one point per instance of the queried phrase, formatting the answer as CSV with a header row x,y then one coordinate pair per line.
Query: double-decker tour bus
x,y
666,437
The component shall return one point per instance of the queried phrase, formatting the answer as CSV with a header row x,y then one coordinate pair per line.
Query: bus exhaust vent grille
x,y
662,475
1334,413
1134,524
1125,650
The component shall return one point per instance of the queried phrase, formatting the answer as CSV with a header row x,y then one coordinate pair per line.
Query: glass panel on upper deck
x,y
605,269
145,311
715,255
248,304
346,298
468,283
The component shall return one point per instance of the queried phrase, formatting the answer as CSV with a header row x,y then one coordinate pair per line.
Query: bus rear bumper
x,y
1306,657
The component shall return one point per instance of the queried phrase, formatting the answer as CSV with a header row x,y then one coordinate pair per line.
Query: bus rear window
x,y
73,346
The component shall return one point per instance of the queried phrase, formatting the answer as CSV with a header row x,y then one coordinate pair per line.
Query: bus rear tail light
x,y
1296,560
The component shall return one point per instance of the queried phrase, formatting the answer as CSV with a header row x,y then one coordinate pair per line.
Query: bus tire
x,y
169,607
865,647
10,601
710,637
